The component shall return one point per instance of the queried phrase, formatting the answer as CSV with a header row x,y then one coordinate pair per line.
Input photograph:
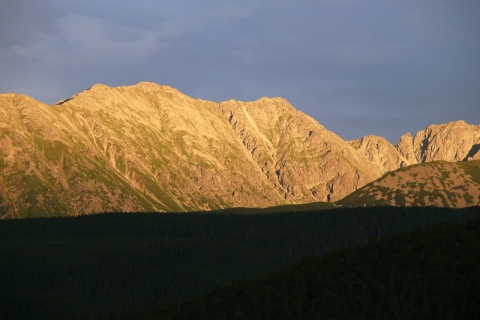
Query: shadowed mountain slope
x,y
425,274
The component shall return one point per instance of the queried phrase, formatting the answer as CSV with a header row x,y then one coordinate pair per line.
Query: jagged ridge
x,y
151,148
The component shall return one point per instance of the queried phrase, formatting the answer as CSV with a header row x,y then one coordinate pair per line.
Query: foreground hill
x,y
425,274
84,267
151,148
440,184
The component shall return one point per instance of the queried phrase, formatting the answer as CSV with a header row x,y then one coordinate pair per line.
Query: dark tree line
x,y
425,274
98,265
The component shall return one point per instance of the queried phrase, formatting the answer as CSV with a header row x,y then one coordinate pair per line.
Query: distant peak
x,y
456,123
152,86
8,94
406,137
148,85
15,95
368,139
98,86
373,137
143,85
18,97
273,99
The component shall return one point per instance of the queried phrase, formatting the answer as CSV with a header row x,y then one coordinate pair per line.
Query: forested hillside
x,y
425,274
104,264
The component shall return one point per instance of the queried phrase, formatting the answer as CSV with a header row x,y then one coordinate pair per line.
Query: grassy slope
x,y
419,192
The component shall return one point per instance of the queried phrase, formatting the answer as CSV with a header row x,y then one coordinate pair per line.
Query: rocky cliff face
x,y
454,141
151,148
380,152
405,148
302,160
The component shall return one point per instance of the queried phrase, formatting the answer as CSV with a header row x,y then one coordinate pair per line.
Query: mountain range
x,y
149,147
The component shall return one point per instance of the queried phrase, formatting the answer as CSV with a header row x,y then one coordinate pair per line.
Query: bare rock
x,y
405,148
149,147
454,141
379,151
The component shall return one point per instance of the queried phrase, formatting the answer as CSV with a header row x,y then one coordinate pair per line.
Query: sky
x,y
359,67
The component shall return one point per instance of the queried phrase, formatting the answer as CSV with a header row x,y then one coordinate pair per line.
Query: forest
x,y
424,274
116,264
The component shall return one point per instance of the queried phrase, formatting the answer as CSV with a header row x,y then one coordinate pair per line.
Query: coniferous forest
x,y
139,264
424,274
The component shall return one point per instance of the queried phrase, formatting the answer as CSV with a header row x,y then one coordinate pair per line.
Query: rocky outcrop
x,y
302,160
405,148
379,151
454,141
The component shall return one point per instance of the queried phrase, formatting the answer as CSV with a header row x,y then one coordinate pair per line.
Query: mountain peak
x,y
452,141
149,147
456,123
273,99
152,86
99,86
379,151
8,94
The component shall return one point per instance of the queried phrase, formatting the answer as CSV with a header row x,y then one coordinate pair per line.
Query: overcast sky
x,y
359,67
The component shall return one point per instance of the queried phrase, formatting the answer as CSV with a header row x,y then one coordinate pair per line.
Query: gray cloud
x,y
358,67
